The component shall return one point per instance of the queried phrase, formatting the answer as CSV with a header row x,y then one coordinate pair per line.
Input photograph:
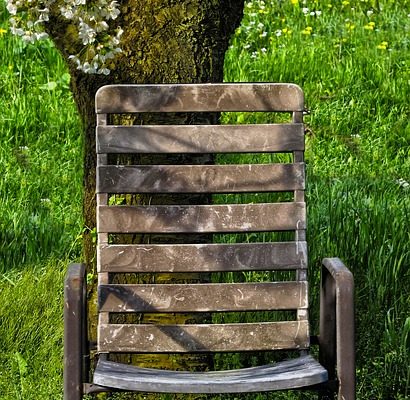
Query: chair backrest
x,y
241,256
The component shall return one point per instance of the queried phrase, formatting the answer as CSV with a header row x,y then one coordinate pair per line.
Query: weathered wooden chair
x,y
335,370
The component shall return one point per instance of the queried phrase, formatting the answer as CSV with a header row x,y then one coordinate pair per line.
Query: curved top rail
x,y
206,97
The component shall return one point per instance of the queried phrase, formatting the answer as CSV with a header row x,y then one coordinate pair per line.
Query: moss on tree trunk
x,y
164,41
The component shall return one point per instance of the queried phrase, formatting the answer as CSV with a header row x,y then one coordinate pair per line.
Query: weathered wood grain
x,y
203,338
202,297
295,373
190,219
213,97
200,178
201,138
202,257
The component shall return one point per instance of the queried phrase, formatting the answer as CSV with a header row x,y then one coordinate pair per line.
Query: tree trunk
x,y
163,42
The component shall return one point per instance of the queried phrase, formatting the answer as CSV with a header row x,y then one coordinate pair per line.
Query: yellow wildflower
x,y
370,26
287,31
345,3
307,31
2,32
294,2
350,26
383,45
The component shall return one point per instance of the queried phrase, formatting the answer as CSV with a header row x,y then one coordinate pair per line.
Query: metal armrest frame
x,y
75,332
336,338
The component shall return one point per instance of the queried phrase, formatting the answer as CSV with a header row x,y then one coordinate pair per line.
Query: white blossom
x,y
98,42
86,33
11,8
112,10
67,12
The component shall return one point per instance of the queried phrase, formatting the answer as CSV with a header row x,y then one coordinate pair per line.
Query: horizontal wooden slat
x,y
261,138
200,178
189,219
202,257
288,374
203,338
202,297
199,97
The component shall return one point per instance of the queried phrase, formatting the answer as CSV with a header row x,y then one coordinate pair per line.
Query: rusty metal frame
x,y
75,332
336,337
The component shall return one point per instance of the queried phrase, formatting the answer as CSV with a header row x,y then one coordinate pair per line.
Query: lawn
x,y
352,58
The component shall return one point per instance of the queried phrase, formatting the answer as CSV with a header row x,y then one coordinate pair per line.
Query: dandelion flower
x,y
383,45
307,31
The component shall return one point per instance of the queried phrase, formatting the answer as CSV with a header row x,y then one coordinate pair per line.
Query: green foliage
x,y
40,153
356,80
31,332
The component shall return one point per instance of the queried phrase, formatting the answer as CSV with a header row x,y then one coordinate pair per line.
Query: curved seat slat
x,y
294,373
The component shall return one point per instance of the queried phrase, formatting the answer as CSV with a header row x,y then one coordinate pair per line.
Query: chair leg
x,y
336,343
74,308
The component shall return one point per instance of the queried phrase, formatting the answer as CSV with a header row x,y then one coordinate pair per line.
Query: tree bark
x,y
164,41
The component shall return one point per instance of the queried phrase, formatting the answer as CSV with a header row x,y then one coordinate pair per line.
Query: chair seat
x,y
294,373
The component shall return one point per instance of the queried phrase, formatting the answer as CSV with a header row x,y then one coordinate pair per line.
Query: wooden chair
x,y
335,370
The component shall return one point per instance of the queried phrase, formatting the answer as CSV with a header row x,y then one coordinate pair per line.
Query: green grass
x,y
40,153
31,346
358,148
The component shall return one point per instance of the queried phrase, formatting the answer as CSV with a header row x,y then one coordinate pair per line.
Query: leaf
x,y
49,86
21,362
65,80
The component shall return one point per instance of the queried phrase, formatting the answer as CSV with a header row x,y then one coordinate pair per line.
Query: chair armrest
x,y
336,337
74,328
